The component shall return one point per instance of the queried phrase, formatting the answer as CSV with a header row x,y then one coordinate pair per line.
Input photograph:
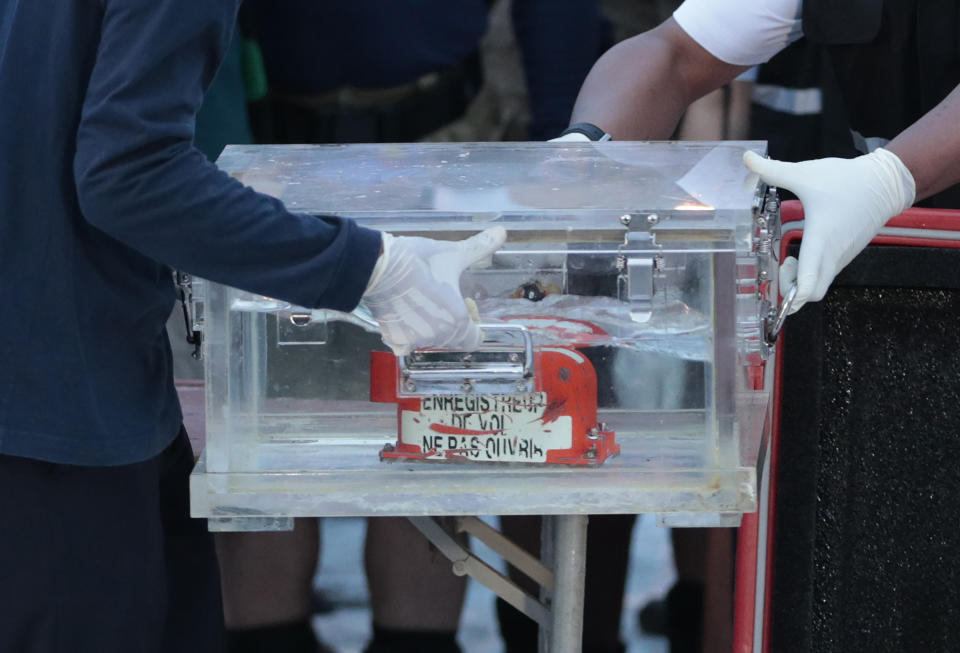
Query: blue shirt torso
x,y
101,190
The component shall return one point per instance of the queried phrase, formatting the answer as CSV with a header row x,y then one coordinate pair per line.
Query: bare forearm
x,y
640,88
930,148
629,92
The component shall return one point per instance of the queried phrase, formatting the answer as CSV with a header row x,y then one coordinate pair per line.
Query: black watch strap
x,y
589,130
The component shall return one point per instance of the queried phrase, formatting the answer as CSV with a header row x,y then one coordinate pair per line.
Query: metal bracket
x,y
465,563
699,519
559,612
299,327
507,550
242,524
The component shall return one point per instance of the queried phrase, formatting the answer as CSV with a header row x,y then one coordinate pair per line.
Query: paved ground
x,y
347,629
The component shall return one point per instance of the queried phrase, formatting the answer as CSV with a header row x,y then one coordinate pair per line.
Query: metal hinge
x,y
767,242
767,219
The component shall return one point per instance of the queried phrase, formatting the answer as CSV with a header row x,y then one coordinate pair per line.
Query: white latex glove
x,y
845,203
414,291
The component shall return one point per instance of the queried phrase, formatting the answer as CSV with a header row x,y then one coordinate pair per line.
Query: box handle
x,y
494,362
773,323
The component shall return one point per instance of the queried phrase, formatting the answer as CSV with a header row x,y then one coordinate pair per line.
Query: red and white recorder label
x,y
508,428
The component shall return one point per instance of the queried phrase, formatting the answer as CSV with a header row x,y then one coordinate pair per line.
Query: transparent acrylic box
x,y
652,260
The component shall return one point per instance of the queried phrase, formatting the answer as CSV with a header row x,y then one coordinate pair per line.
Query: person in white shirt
x,y
640,88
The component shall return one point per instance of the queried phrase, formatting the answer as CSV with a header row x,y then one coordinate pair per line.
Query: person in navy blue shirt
x,y
374,45
101,191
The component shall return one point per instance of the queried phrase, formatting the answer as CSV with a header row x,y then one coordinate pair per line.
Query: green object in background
x,y
222,118
254,74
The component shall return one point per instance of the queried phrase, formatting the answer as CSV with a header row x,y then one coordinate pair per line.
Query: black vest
x,y
894,60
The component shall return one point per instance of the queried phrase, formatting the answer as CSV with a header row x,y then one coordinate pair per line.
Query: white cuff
x,y
576,137
899,183
381,264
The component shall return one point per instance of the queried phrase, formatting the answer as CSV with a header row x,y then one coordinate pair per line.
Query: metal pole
x,y
570,556
547,542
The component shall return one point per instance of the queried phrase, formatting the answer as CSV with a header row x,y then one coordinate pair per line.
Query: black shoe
x,y
685,617
386,640
296,637
320,603
678,616
653,617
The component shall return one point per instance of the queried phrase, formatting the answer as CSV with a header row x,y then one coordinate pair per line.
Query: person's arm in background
x,y
930,147
559,42
140,179
640,88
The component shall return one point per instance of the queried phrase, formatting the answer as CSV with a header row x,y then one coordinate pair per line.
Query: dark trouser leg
x,y
267,587
84,565
608,555
415,598
194,611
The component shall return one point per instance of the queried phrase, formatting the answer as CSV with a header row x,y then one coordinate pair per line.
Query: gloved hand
x,y
414,291
845,203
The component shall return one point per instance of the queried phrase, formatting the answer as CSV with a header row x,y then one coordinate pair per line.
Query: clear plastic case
x,y
653,262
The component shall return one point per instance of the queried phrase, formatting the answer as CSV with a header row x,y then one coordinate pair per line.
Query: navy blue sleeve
x,y
140,179
559,42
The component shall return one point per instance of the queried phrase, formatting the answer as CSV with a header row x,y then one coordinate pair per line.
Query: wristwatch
x,y
591,131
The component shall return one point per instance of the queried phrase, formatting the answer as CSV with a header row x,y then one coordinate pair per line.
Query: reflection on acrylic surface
x,y
674,329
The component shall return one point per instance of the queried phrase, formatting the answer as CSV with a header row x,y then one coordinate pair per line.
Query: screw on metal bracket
x,y
514,357
522,386
467,387
459,568
625,219
653,218
409,385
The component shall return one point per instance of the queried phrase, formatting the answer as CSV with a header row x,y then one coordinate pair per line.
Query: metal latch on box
x,y
639,261
192,319
767,242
